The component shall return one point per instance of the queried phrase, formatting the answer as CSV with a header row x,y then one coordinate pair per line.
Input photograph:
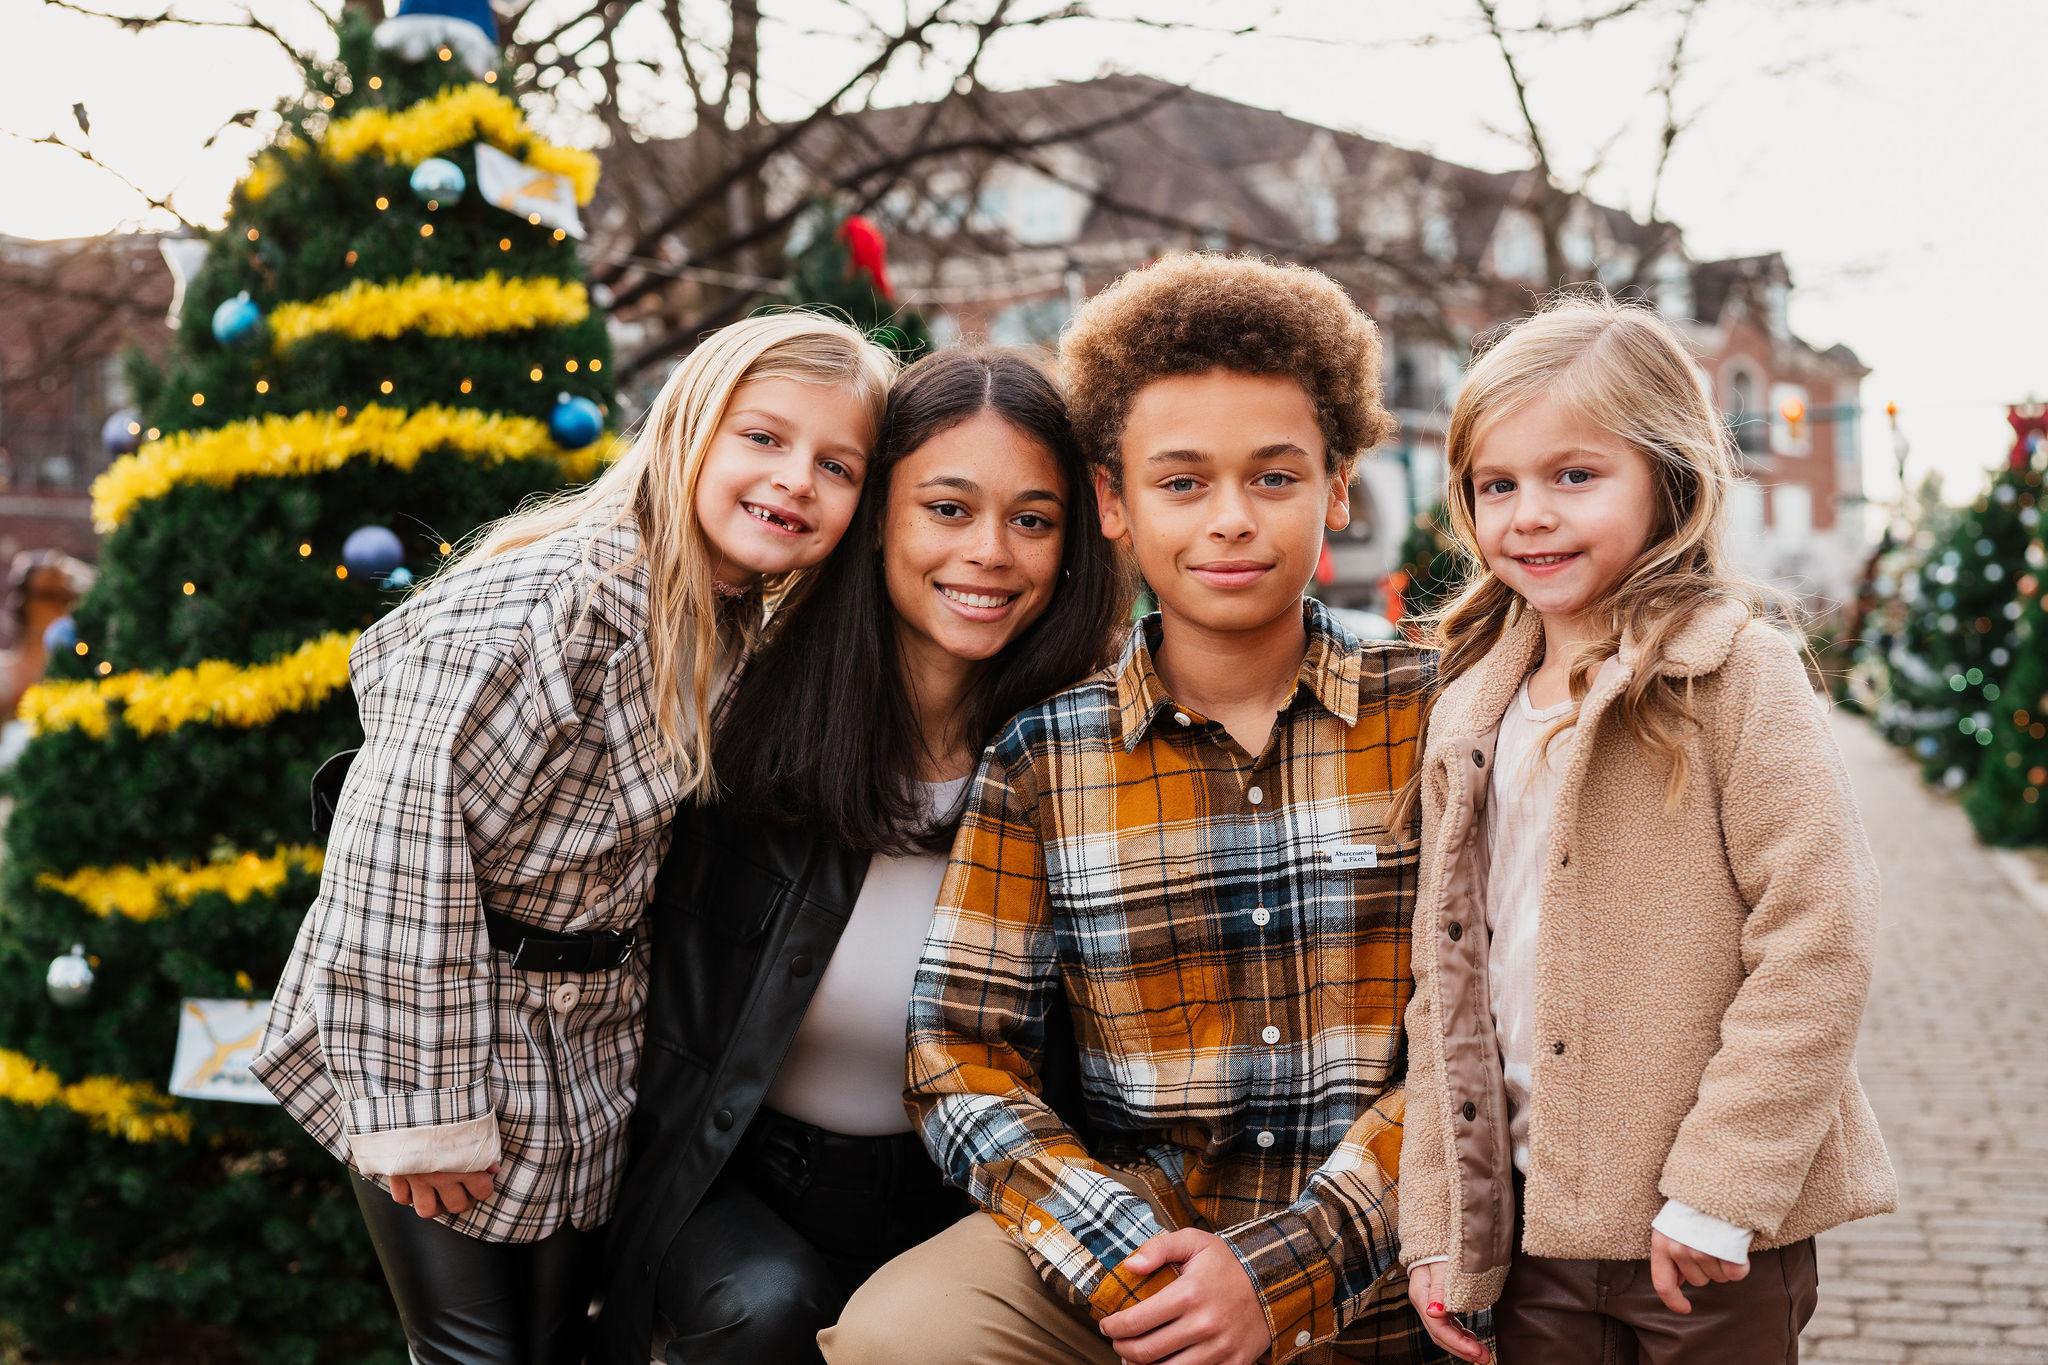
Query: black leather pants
x,y
796,1222
468,1302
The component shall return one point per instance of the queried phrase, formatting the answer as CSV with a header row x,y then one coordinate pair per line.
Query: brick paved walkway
x,y
1955,1057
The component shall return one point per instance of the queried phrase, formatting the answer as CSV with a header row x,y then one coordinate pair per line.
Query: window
x,y
1777,303
1785,440
1792,511
1518,247
1673,287
1034,322
1745,416
1319,205
1745,513
1439,233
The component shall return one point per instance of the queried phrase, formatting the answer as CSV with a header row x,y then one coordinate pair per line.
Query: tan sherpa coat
x,y
1700,973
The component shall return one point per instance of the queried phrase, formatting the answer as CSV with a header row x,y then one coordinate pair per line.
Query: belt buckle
x,y
621,945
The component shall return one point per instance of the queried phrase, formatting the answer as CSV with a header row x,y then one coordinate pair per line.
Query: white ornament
x,y
69,979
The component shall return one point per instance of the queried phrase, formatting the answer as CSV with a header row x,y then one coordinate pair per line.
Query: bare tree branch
x,y
141,23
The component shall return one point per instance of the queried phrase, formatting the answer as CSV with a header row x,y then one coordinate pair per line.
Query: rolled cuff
x,y
416,1108
1421,1261
1299,1285
1685,1224
471,1145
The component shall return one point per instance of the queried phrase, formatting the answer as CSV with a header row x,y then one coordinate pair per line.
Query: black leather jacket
x,y
744,917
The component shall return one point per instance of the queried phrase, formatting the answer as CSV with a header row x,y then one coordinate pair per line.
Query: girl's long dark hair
x,y
820,730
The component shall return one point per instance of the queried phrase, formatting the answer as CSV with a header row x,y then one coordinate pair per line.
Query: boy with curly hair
x,y
1189,851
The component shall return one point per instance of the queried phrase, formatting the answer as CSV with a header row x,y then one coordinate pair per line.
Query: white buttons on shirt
x,y
1255,795
1181,718
1302,1338
1264,1139
1270,1034
565,996
1034,1227
1262,916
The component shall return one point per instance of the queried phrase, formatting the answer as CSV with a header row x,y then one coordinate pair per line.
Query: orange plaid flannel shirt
x,y
1230,934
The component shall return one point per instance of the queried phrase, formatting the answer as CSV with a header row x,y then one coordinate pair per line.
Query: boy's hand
x,y
1672,1261
1211,1315
1426,1292
436,1192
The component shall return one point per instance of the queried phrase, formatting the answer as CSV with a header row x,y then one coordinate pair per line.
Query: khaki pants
x,y
971,1295
1559,1312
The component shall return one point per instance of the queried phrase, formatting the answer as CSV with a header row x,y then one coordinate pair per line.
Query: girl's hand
x,y
437,1192
1426,1292
1672,1261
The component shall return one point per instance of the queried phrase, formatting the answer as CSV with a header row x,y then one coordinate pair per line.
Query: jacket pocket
x,y
711,917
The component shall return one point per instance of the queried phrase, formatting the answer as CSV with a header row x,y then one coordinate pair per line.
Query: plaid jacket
x,y
1230,933
508,760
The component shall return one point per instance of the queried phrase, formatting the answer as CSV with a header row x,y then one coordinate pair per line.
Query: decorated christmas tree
x,y
1432,569
1946,668
840,262
388,344
2009,802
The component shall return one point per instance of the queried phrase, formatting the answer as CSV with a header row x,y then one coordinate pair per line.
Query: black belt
x,y
543,950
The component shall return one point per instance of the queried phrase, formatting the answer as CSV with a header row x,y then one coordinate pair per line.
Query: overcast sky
x,y
1896,151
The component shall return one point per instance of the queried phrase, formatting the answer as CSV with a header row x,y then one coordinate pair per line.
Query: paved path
x,y
1954,1055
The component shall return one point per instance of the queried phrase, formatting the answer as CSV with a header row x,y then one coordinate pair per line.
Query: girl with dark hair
x,y
775,1166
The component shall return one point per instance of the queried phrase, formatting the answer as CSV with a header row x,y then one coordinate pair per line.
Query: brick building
x,y
68,310
1005,241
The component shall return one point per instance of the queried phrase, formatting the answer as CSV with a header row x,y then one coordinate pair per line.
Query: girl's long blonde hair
x,y
656,481
1623,368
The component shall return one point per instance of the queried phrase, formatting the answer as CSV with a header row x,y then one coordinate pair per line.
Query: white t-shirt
x,y
1519,810
845,1070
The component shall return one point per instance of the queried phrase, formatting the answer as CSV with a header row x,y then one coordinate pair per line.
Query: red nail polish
x,y
1436,1308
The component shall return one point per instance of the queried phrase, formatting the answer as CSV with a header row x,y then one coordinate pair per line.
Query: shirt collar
x,y
1329,671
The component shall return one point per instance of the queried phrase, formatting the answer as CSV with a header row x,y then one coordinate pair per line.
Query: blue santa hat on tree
x,y
422,27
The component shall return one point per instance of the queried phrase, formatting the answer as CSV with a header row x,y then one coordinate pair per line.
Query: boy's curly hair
x,y
1190,312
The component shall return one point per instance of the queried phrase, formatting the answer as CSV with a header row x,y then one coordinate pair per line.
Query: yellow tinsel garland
x,y
133,1110
433,126
215,692
436,305
143,893
297,444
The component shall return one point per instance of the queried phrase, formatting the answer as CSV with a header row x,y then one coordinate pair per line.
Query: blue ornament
x,y
400,577
60,635
372,550
121,433
575,422
439,179
236,320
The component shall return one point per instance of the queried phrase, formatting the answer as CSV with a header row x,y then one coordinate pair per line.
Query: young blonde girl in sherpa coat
x,y
1647,908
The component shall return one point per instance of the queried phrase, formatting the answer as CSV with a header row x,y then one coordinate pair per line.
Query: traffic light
x,y
1794,413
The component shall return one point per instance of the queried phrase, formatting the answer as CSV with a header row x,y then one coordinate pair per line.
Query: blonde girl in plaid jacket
x,y
531,720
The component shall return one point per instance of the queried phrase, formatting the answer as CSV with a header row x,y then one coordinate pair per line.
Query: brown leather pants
x,y
1559,1312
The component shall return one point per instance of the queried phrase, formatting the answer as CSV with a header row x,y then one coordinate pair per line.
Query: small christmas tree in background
x,y
2009,802
1433,568
388,344
841,262
1945,671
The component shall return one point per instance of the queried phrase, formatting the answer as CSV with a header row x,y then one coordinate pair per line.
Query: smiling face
x,y
1562,508
1226,495
781,477
971,541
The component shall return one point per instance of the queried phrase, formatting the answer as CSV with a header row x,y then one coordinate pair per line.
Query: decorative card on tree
x,y
526,190
216,1040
